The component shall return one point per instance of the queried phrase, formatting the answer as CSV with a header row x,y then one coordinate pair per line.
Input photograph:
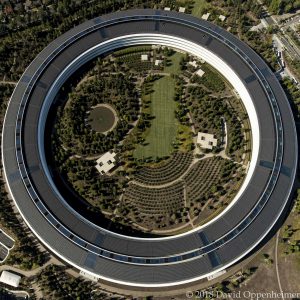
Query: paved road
x,y
291,23
283,72
269,20
290,46
283,42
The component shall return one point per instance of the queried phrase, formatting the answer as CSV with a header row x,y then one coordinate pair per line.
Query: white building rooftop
x,y
158,62
200,73
193,63
10,278
167,8
106,162
222,18
205,16
182,9
206,140
144,57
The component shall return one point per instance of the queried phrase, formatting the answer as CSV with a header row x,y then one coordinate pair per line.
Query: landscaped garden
x,y
147,104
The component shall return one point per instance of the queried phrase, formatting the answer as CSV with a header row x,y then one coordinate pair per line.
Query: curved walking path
x,y
168,183
8,82
181,177
18,292
276,265
27,273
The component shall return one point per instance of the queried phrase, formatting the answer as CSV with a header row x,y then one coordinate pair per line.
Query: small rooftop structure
x,y
106,162
167,8
222,18
182,9
10,278
200,73
89,276
215,275
144,57
158,62
206,140
205,16
193,63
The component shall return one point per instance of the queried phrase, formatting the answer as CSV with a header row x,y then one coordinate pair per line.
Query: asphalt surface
x,y
6,240
3,252
141,261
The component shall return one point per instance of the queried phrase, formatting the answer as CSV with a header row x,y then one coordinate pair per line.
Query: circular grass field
x,y
102,118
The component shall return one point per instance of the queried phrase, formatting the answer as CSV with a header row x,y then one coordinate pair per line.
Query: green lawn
x,y
174,68
162,132
199,5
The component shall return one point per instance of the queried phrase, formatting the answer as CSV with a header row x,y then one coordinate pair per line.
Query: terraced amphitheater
x,y
181,193
202,177
155,201
171,170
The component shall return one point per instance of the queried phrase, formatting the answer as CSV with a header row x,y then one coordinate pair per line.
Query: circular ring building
x,y
150,262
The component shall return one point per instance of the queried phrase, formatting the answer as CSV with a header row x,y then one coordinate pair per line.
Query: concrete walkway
x,y
29,273
8,82
276,265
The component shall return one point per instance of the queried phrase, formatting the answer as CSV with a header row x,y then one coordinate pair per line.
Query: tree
x,y
274,6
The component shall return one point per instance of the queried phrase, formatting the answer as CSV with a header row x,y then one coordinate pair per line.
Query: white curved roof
x,y
10,278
